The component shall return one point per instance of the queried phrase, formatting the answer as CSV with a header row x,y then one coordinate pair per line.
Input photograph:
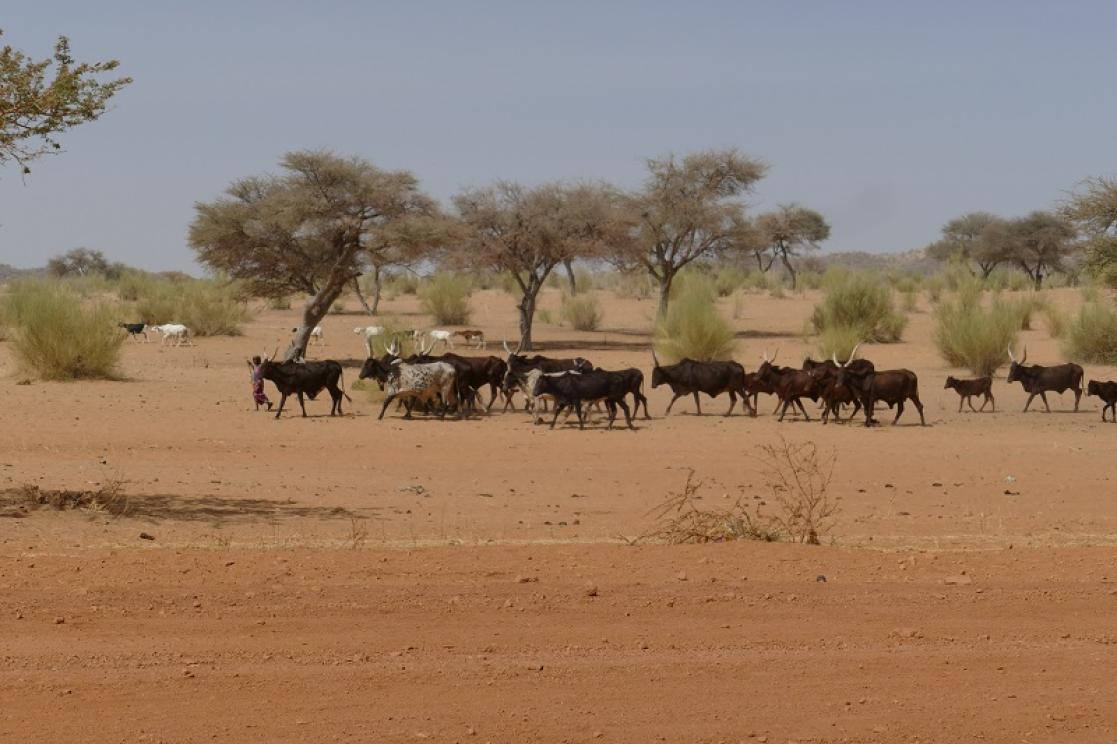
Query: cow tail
x,y
342,378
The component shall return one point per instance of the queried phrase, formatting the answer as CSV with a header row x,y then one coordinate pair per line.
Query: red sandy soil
x,y
355,579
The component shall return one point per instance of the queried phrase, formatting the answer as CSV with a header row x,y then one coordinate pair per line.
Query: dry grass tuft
x,y
109,498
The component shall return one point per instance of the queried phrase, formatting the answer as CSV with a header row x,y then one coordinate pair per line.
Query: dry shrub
x,y
975,337
446,298
1056,321
682,519
109,498
798,478
1091,335
838,340
634,285
582,311
860,301
797,481
208,307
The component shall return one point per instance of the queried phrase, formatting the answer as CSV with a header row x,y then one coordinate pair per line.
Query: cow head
x,y
659,377
376,369
1016,368
766,372
950,382
1093,388
846,374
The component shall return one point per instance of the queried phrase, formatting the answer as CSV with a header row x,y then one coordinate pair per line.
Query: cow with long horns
x,y
301,378
689,377
893,386
1039,380
791,385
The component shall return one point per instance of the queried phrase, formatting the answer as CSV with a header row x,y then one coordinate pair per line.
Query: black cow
x,y
689,377
967,389
305,378
518,365
791,385
470,373
135,330
833,395
890,386
754,387
1039,380
634,379
1107,391
574,389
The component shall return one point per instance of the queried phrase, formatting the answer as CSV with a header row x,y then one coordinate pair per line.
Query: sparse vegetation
x,y
729,279
208,307
861,302
970,335
838,340
1091,335
1055,320
582,311
797,483
634,286
446,298
58,335
109,497
692,327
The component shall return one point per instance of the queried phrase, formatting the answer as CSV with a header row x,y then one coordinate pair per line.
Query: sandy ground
x,y
355,579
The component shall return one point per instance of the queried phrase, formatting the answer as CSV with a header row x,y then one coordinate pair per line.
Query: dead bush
x,y
682,519
109,498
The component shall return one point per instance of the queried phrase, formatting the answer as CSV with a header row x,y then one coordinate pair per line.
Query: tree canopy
x,y
83,262
977,237
689,209
1040,243
1093,208
529,231
41,99
788,232
304,230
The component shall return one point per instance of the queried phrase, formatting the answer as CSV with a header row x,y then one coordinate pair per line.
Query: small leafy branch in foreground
x,y
797,480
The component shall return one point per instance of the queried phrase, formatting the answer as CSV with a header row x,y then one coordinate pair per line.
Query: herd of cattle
x,y
454,384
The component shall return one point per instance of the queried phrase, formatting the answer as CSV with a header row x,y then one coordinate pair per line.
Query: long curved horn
x,y
1011,358
505,342
775,355
852,354
275,353
655,359
834,357
765,356
1025,357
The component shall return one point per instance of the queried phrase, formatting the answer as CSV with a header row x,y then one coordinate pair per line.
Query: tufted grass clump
x,y
582,311
975,337
860,302
693,328
1091,334
446,298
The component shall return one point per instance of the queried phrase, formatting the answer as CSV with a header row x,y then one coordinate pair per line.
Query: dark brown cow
x,y
1107,391
967,389
1039,380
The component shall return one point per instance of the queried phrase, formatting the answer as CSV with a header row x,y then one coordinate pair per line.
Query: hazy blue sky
x,y
889,117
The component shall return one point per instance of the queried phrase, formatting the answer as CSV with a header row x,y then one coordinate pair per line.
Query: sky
x,y
888,117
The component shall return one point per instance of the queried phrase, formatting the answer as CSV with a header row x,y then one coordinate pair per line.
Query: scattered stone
x,y
681,576
146,536
591,589
59,621
936,484
820,579
526,579
959,580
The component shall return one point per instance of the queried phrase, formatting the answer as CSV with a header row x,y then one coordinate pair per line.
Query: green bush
x,y
1018,281
1091,335
729,279
404,283
60,336
208,307
1056,321
756,281
583,312
908,300
446,298
810,280
777,289
934,286
862,302
693,328
544,316
974,337
279,303
838,340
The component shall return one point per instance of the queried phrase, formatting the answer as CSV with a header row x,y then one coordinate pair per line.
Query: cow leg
x,y
1028,402
558,408
612,408
697,405
869,405
1077,397
302,403
992,401
639,398
673,399
492,391
1043,395
919,407
732,402
579,411
782,406
384,407
282,400
899,411
799,403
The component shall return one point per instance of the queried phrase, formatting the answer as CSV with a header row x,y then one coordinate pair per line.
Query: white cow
x,y
177,332
369,333
315,334
446,337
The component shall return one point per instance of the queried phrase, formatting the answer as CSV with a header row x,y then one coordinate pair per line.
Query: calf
x,y
1107,391
572,390
1039,380
473,336
967,389
689,377
517,366
305,378
135,330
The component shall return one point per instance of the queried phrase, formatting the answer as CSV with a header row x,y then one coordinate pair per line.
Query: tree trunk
x,y
313,313
361,296
377,289
569,266
665,292
790,270
986,269
527,316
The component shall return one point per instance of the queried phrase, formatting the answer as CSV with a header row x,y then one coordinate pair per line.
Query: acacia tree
x,y
977,237
1039,243
40,99
1094,210
789,231
689,209
303,231
81,262
529,231
401,243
